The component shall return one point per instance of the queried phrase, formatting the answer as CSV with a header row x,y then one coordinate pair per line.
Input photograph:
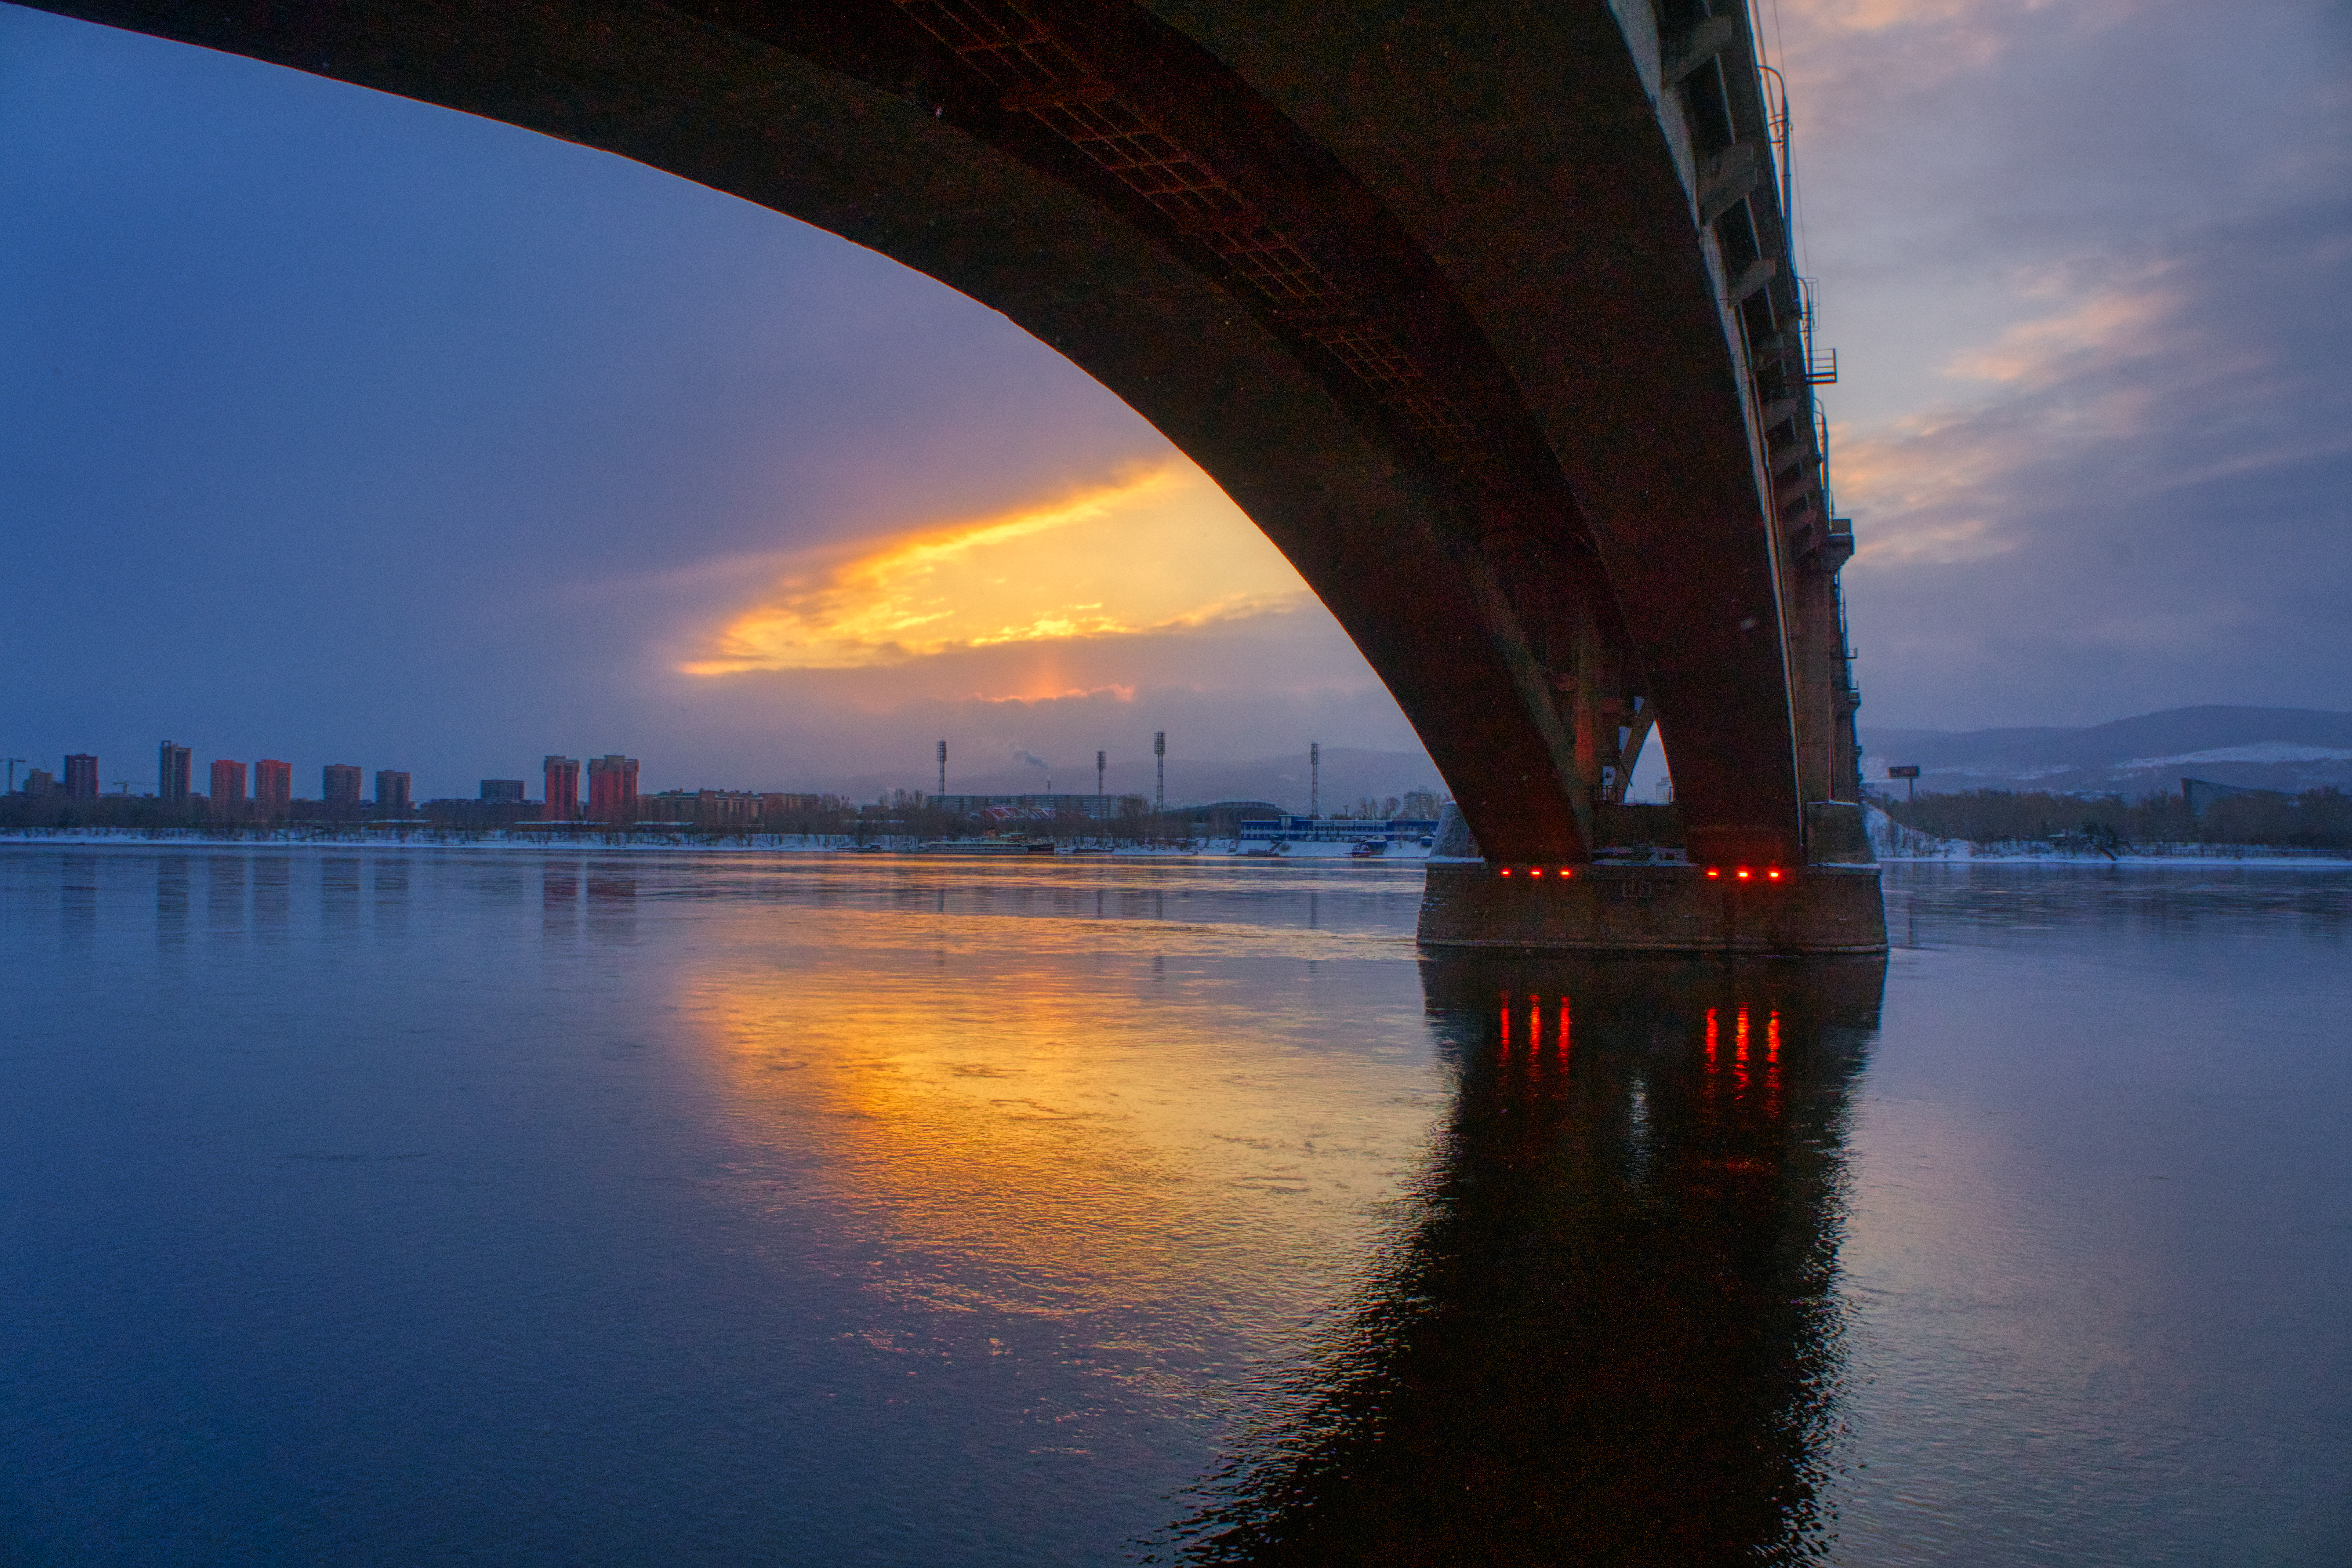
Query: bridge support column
x,y
1654,908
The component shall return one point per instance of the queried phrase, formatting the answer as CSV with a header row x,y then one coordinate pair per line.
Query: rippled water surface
x,y
441,1207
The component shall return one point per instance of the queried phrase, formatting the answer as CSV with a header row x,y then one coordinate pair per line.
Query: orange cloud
x,y
1878,16
2110,324
1156,552
1944,485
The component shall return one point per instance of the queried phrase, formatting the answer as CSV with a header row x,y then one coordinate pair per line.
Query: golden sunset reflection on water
x,y
1121,1112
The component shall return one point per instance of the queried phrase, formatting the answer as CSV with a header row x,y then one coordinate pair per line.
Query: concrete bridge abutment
x,y
1662,901
1753,911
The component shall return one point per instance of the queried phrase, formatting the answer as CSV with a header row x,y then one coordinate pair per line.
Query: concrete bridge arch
x,y
1484,312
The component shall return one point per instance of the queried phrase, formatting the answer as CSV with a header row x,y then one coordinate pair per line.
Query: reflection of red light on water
x,y
1773,1038
1739,1035
1711,1032
1506,1023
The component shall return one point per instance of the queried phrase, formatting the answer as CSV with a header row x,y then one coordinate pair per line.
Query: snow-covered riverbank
x,y
343,840
1894,843
423,838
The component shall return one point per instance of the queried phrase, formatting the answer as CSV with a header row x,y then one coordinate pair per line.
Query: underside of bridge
x,y
1482,312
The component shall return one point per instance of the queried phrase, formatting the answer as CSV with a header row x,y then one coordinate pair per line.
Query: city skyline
x,y
594,786
338,783
612,797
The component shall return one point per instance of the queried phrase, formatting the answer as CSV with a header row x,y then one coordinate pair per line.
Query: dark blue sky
x,y
339,427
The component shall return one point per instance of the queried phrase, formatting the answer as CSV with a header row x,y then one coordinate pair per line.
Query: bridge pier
x,y
1605,907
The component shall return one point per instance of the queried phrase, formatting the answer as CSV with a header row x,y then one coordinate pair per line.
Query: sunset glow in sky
x,y
1160,550
344,428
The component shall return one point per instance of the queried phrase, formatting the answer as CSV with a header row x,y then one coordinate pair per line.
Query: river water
x,y
501,1207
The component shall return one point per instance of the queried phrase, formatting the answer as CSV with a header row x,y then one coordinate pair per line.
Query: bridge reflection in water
x,y
1608,1333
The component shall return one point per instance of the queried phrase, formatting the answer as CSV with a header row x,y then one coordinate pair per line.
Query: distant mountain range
x,y
1349,775
2262,748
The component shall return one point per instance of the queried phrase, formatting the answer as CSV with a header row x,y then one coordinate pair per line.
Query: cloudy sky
x,y
341,429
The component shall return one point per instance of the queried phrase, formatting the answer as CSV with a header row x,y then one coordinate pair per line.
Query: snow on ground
x,y
1891,841
601,843
2264,752
1888,838
299,839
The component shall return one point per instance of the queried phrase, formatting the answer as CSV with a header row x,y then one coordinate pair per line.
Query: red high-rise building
x,y
228,788
391,787
172,765
562,775
613,788
273,787
339,785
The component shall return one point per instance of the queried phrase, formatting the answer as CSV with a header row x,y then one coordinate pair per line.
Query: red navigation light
x,y
1537,872
1507,870
1774,873
1744,873
1713,872
1565,872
